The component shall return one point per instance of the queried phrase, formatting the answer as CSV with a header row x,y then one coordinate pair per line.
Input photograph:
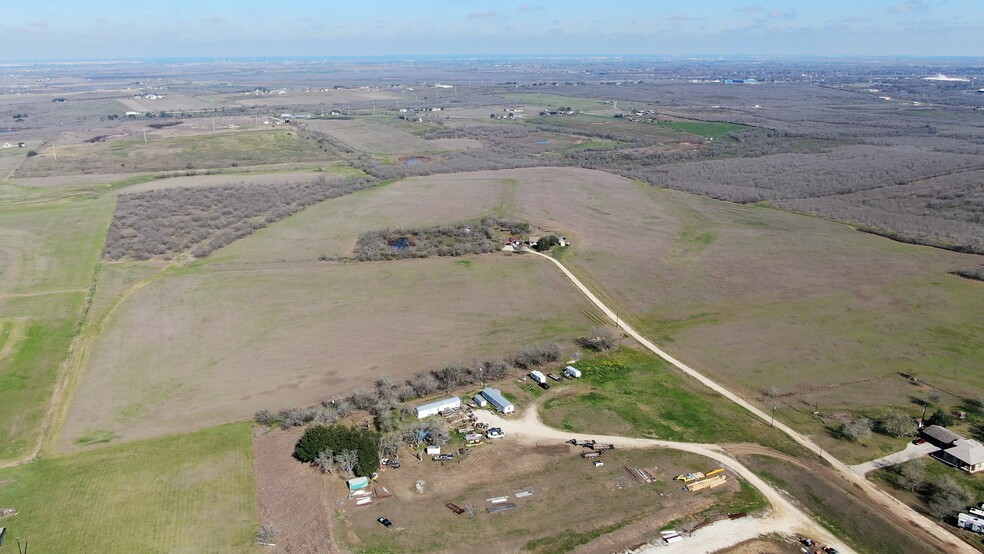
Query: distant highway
x,y
884,501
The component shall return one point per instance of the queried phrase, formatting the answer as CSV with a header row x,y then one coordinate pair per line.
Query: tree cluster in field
x,y
600,338
353,450
386,396
168,222
894,424
975,274
942,494
546,243
328,445
460,239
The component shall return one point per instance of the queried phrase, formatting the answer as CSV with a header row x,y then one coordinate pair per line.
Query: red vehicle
x,y
919,440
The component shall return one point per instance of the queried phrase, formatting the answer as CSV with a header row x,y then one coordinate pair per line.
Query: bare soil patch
x,y
291,496
570,496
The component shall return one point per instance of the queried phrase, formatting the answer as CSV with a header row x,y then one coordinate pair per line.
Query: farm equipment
x,y
707,483
689,477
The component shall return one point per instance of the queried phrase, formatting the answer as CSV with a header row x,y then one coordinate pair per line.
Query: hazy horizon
x,y
61,30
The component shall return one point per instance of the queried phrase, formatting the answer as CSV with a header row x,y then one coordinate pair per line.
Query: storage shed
x,y
480,401
437,406
357,483
498,401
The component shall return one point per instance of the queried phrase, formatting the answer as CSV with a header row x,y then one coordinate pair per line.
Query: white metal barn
x,y
437,406
495,397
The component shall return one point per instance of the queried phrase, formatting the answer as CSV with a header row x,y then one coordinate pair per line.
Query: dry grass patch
x,y
215,343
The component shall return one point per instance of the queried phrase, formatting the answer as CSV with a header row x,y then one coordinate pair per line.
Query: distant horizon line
x,y
407,58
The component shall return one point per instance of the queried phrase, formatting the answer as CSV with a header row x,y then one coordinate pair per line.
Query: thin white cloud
x,y
482,15
911,6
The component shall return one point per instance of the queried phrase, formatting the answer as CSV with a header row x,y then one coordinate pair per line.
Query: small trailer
x,y
572,372
591,454
539,377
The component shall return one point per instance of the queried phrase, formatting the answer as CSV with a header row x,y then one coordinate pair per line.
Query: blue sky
x,y
69,29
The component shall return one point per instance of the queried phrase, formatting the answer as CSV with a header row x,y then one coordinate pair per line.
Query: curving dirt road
x,y
881,499
783,518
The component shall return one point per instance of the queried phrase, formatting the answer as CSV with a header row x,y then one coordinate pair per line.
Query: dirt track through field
x,y
784,517
879,498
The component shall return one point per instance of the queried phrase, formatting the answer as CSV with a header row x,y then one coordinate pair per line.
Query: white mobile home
x,y
437,406
495,397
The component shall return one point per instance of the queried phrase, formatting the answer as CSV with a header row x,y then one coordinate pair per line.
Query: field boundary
x,y
879,496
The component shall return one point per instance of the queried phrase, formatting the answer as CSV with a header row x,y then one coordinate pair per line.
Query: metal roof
x,y
941,434
967,451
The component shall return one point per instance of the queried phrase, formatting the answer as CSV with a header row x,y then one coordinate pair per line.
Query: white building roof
x,y
967,451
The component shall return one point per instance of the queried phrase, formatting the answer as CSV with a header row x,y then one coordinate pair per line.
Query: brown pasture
x,y
214,344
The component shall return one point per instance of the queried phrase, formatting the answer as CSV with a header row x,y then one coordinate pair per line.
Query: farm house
x,y
965,454
495,397
437,406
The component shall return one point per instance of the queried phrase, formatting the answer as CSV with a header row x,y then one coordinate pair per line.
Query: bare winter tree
x,y
346,460
325,461
389,444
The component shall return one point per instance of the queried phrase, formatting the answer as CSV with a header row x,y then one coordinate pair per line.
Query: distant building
x,y
498,401
437,406
965,454
480,401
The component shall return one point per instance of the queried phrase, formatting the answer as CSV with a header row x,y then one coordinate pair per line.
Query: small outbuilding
x,y
357,483
498,401
430,450
480,401
437,406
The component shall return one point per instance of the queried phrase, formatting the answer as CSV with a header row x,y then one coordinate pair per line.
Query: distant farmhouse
x,y
955,450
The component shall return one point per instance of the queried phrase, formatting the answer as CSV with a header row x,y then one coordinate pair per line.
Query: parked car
x,y
919,440
385,522
544,386
443,457
394,463
495,433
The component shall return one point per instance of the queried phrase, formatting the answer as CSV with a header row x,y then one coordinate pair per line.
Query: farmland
x,y
202,481
376,138
154,291
48,257
226,149
782,300
210,343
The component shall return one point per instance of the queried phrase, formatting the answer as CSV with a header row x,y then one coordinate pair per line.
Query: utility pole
x,y
773,422
145,136
53,152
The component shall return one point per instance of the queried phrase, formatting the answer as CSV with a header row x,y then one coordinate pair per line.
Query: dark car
x,y
919,440
385,522
544,386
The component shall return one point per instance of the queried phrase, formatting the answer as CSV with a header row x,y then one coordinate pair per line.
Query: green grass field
x,y
709,129
226,149
553,100
49,256
635,393
186,493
